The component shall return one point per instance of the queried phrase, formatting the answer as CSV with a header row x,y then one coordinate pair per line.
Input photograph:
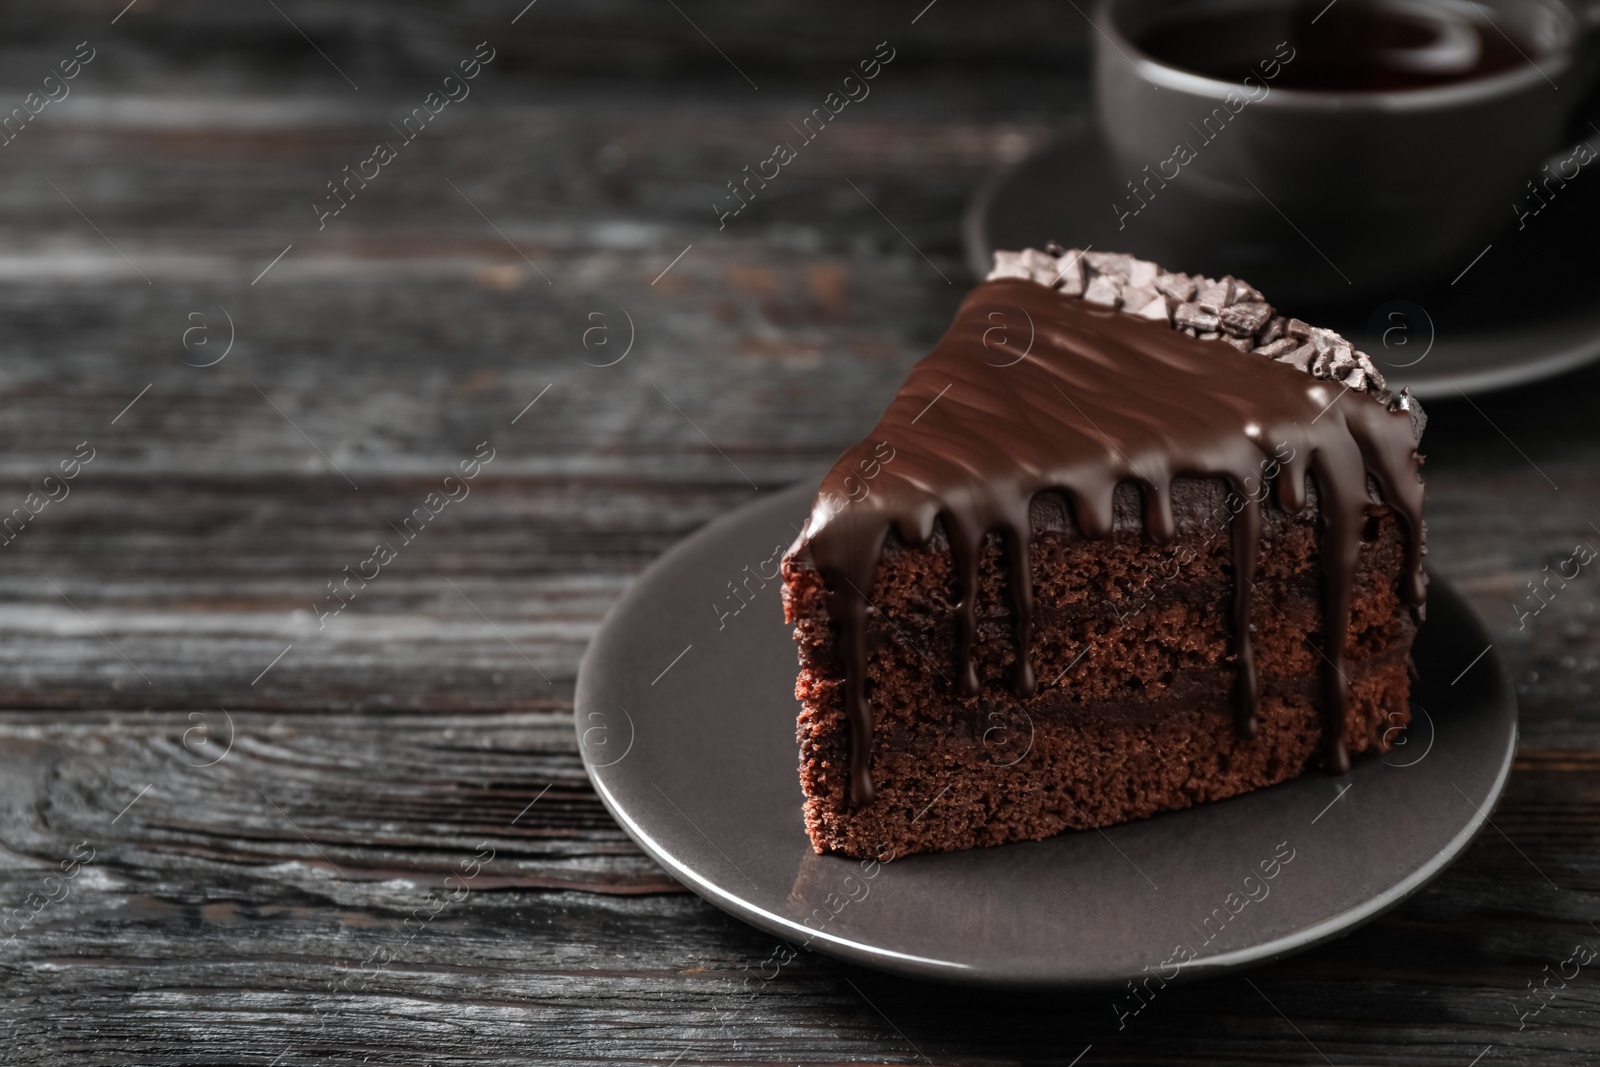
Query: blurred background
x,y
198,145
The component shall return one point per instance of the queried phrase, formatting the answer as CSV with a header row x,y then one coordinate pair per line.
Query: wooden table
x,y
228,818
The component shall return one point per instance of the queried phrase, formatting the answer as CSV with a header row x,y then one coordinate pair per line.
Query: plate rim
x,y
950,972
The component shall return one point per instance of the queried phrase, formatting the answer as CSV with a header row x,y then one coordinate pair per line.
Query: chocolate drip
x,y
1245,534
1101,398
1341,545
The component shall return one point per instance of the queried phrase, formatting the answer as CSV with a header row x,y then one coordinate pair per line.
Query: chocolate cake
x,y
1126,541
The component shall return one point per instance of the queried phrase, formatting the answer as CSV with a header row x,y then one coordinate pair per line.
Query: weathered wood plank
x,y
237,912
241,899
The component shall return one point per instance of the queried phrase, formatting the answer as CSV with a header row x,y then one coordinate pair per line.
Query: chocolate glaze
x,y
1102,397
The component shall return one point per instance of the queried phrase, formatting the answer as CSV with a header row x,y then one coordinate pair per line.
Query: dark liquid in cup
x,y
1354,45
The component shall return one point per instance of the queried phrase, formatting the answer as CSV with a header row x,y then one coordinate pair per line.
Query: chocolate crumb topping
x,y
1226,310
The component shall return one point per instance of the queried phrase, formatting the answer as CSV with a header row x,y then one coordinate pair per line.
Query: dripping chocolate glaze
x,y
1102,397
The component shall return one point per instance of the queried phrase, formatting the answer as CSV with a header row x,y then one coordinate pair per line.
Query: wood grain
x,y
255,910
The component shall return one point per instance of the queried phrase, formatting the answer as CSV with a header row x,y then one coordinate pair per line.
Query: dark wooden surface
x,y
261,837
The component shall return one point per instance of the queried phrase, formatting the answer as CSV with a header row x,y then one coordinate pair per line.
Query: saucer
x,y
686,723
1526,309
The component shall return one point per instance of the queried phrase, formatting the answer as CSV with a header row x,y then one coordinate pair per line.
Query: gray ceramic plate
x,y
1526,310
686,721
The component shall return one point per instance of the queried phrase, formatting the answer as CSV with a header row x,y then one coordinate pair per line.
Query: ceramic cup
x,y
1325,194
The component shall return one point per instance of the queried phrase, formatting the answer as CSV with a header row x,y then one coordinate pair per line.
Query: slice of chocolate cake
x,y
1126,541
